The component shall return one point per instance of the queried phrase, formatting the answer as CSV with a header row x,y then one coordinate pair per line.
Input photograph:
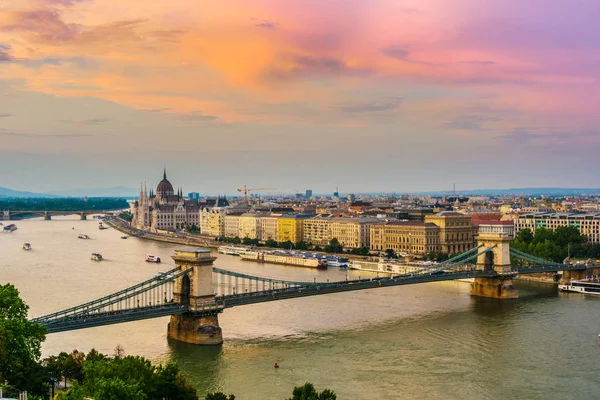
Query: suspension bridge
x,y
195,292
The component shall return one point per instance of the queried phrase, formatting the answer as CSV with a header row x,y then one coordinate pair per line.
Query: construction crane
x,y
245,190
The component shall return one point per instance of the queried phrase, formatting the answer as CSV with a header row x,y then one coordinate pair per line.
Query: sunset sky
x,y
379,95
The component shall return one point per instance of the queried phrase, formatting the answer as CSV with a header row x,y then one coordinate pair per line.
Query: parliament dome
x,y
164,187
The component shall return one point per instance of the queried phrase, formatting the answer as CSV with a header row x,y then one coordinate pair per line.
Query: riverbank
x,y
123,226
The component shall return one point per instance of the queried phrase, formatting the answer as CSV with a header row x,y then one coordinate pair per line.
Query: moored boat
x,y
124,237
584,286
10,228
340,262
232,250
97,257
152,259
26,246
285,258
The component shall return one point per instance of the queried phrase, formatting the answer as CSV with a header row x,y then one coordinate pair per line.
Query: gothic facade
x,y
164,209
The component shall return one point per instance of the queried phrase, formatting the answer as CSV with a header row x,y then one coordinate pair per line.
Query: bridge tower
x,y
6,215
47,216
83,216
498,238
196,290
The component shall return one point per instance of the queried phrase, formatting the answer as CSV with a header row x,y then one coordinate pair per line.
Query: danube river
x,y
429,341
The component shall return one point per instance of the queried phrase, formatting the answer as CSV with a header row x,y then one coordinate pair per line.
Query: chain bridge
x,y
195,292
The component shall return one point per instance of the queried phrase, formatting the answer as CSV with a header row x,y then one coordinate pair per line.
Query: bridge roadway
x,y
81,321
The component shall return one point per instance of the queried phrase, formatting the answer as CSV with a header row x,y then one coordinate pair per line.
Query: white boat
x,y
340,262
285,258
585,286
102,226
162,276
390,267
10,228
26,246
83,236
96,257
232,250
152,259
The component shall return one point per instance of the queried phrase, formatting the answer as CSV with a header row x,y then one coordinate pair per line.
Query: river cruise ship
x,y
285,258
389,267
585,286
232,250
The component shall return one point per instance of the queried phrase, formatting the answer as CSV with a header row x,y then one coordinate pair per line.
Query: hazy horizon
x,y
365,96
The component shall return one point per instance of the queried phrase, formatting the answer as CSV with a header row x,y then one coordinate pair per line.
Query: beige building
x,y
316,230
268,227
588,224
232,224
406,237
212,221
249,226
457,233
351,232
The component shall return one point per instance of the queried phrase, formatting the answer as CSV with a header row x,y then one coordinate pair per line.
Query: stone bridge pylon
x,y
498,260
196,290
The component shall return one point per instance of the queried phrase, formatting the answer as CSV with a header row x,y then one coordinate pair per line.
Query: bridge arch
x,y
185,290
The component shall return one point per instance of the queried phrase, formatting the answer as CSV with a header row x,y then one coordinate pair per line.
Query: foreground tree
x,y
219,396
128,378
20,342
308,392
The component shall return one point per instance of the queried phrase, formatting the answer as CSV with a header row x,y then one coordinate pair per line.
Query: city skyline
x,y
367,96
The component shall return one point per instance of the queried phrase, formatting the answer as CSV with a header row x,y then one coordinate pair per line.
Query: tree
x,y
390,253
361,251
302,245
129,378
286,245
20,342
308,392
334,246
271,243
219,396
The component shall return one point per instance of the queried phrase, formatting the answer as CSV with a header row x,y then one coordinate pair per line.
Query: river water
x,y
429,341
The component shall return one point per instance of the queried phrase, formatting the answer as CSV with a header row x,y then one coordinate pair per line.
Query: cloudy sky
x,y
379,95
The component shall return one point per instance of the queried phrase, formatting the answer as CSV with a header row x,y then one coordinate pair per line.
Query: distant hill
x,y
521,192
7,193
117,191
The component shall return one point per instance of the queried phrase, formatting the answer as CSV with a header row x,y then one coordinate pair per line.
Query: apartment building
x,y
352,232
588,224
250,226
316,230
290,227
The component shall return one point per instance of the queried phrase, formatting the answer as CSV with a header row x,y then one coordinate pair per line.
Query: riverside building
x,y
164,210
588,224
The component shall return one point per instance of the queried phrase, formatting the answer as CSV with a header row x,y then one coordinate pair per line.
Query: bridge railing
x,y
115,298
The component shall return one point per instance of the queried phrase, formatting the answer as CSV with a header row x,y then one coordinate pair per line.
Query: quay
x,y
187,240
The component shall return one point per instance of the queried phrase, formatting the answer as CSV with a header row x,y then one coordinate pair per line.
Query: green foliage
x,y
250,242
390,253
286,245
65,204
308,392
271,243
20,342
128,378
302,245
554,245
334,246
219,396
234,240
361,251
193,229
127,216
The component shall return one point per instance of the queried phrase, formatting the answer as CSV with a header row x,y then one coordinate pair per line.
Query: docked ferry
x,y
232,250
285,258
585,286
390,267
10,228
334,261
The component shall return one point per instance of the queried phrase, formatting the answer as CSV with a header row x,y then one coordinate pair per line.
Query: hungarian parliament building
x,y
165,209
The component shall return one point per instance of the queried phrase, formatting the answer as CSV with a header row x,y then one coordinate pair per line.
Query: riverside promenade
x,y
177,238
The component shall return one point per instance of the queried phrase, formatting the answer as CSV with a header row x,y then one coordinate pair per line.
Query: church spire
x,y
165,172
